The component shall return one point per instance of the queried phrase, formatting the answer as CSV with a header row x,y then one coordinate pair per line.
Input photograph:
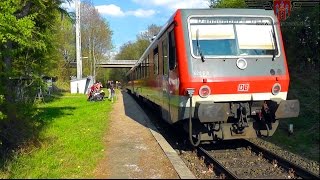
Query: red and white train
x,y
222,73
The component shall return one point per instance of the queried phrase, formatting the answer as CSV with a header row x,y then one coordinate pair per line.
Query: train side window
x,y
172,51
137,73
142,69
145,68
140,72
165,55
147,65
156,61
132,75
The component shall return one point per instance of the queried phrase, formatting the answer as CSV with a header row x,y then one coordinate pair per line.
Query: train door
x,y
173,78
170,78
165,79
156,84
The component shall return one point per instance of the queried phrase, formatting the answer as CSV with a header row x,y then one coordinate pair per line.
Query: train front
x,y
237,74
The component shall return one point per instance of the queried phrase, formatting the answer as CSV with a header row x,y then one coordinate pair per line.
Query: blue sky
x,y
127,18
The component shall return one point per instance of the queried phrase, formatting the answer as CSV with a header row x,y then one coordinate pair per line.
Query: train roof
x,y
226,11
213,11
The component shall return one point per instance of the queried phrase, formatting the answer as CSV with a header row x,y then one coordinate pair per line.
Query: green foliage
x,y
305,139
27,45
129,51
16,132
102,75
228,4
302,38
17,29
65,51
28,50
2,115
95,38
118,74
69,142
134,50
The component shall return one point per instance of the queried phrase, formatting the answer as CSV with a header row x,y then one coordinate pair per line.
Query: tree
x,y
302,37
28,50
134,50
228,4
65,42
26,43
152,31
95,37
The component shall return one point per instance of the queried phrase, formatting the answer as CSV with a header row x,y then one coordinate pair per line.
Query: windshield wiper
x,y
274,45
198,46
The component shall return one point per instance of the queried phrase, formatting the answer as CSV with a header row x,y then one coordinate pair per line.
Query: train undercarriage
x,y
211,121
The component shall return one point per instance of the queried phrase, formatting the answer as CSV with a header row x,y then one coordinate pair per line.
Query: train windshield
x,y
232,36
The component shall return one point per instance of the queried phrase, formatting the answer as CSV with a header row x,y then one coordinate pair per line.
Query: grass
x,y
70,144
305,140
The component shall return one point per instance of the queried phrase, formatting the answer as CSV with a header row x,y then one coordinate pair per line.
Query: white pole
x,y
78,40
290,128
94,63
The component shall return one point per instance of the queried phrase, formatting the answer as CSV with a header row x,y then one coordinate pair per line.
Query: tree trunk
x,y
8,94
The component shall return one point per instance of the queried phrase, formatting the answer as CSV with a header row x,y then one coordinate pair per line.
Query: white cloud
x,y
114,10
175,4
141,13
68,6
111,10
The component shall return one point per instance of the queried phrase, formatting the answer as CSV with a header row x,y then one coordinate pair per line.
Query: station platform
x,y
135,148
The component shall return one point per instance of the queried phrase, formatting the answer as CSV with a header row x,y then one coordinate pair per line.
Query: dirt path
x,y
131,150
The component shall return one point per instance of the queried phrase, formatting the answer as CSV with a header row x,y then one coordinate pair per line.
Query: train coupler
x,y
242,121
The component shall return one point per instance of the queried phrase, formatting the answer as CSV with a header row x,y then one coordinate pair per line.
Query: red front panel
x,y
237,85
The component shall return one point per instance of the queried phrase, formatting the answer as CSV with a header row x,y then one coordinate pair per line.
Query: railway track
x,y
246,160
232,159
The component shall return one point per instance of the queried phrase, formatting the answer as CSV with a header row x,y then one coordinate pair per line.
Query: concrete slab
x,y
135,149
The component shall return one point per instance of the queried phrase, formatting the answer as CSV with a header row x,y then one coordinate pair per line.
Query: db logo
x,y
243,87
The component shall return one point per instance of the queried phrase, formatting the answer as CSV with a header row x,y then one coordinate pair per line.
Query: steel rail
x,y
298,170
217,164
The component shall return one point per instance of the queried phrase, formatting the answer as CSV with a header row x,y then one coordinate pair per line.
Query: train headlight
x,y
204,91
242,63
276,88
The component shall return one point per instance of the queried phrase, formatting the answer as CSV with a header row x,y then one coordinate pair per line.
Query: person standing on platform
x,y
109,89
112,91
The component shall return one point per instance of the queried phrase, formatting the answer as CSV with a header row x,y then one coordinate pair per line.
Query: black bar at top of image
x,y
268,4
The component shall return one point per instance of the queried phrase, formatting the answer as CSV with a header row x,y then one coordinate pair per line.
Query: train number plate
x,y
243,87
